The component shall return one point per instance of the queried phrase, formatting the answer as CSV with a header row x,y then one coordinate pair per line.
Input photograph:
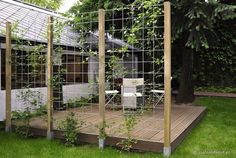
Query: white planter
x,y
101,143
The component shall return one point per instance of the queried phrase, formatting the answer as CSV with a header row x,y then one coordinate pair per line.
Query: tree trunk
x,y
101,4
186,88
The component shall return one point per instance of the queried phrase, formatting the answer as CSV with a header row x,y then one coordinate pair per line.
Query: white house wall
x,y
93,68
69,92
0,67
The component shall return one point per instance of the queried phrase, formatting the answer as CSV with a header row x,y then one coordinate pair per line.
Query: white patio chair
x,y
129,92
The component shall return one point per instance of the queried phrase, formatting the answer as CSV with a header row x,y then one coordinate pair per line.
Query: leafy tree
x,y
195,28
93,5
90,6
48,4
218,63
194,31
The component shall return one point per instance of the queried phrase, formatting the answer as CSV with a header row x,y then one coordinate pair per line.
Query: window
x,y
3,78
24,73
76,69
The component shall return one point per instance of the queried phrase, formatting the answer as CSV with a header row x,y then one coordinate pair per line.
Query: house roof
x,y
32,21
111,42
32,25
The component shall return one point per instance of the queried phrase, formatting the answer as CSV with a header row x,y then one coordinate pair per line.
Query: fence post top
x,y
8,23
50,19
167,2
101,10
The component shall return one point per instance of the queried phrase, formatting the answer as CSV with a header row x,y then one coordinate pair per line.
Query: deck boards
x,y
184,124
148,130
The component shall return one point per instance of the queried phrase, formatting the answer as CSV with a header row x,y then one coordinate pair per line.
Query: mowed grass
x,y
214,137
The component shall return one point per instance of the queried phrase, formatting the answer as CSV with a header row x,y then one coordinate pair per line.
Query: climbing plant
x,y
130,120
71,128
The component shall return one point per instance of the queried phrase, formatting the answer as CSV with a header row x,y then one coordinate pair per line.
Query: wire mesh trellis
x,y
133,73
134,51
133,56
28,77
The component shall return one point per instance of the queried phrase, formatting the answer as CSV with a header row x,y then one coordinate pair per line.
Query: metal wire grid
x,y
28,71
75,67
142,59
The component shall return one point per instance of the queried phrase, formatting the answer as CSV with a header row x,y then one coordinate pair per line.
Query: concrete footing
x,y
101,143
8,129
49,135
167,151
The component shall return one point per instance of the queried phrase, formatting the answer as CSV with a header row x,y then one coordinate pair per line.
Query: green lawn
x,y
215,136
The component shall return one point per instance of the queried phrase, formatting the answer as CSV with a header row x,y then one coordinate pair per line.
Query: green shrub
x,y
33,102
2,125
216,89
70,127
40,111
102,130
22,122
129,123
79,102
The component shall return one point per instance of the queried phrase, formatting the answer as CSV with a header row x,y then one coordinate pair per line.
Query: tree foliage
x,y
217,65
48,4
195,30
199,31
195,22
93,5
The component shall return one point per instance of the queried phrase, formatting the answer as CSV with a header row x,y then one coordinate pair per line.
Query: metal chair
x,y
110,95
159,94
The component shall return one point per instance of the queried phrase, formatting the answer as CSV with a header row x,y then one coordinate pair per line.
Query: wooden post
x,y
101,19
49,78
167,78
8,77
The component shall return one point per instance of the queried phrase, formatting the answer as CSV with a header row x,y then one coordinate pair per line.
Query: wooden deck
x,y
148,130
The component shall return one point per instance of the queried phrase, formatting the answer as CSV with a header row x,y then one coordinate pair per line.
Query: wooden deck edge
x,y
181,137
141,145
